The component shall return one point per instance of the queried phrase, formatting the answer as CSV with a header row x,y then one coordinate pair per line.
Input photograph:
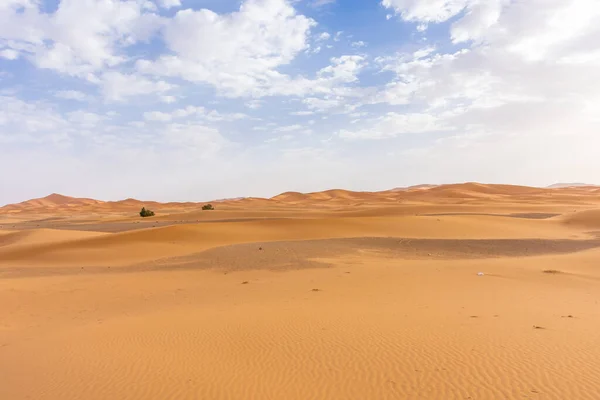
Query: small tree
x,y
146,213
208,207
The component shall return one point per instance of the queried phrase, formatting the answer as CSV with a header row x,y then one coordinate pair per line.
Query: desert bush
x,y
146,213
208,207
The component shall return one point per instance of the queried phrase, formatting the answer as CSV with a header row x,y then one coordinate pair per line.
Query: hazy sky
x,y
205,99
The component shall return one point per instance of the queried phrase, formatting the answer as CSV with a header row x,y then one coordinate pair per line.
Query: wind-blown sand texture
x,y
330,295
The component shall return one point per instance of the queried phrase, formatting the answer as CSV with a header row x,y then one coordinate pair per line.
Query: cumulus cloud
x,y
238,53
117,86
80,37
279,138
321,3
324,36
302,113
169,3
202,141
427,10
168,99
343,69
9,54
392,125
30,122
515,75
193,111
71,95
289,128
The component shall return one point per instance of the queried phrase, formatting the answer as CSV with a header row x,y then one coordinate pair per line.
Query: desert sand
x,y
329,295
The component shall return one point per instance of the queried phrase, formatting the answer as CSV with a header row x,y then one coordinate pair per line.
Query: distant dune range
x,y
428,292
465,193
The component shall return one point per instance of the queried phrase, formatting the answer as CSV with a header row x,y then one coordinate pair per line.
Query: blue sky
x,y
205,99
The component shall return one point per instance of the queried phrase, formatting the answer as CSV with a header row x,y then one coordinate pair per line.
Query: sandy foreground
x,y
360,297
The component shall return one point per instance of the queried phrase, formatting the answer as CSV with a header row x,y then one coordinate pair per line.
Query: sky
x,y
193,100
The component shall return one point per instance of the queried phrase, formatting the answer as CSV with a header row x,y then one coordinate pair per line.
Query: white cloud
x,y
481,16
321,3
335,104
22,121
302,113
324,36
325,103
279,138
238,53
71,95
255,104
204,142
80,37
525,74
158,116
334,89
168,99
9,54
117,86
392,125
38,122
193,111
289,128
85,119
427,10
358,44
137,124
169,3
343,69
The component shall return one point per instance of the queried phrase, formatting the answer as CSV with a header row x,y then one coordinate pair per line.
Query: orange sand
x,y
331,295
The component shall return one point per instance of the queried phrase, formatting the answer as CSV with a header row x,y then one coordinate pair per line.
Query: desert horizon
x,y
299,199
57,200
439,292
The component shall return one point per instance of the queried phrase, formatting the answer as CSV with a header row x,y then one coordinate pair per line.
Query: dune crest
x,y
461,193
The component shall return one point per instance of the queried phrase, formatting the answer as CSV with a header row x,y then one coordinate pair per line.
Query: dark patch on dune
x,y
117,227
304,254
293,255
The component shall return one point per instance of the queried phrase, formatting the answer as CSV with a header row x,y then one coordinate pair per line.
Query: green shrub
x,y
146,213
208,207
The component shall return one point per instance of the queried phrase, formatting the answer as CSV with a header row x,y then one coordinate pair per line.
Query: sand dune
x,y
147,244
53,201
328,295
464,193
44,236
589,219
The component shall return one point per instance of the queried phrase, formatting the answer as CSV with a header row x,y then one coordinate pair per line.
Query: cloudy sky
x,y
205,99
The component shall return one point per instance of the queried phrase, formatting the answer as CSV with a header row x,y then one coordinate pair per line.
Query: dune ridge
x,y
464,192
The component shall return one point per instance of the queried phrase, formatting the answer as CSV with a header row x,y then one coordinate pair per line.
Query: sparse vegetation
x,y
551,271
208,207
146,213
